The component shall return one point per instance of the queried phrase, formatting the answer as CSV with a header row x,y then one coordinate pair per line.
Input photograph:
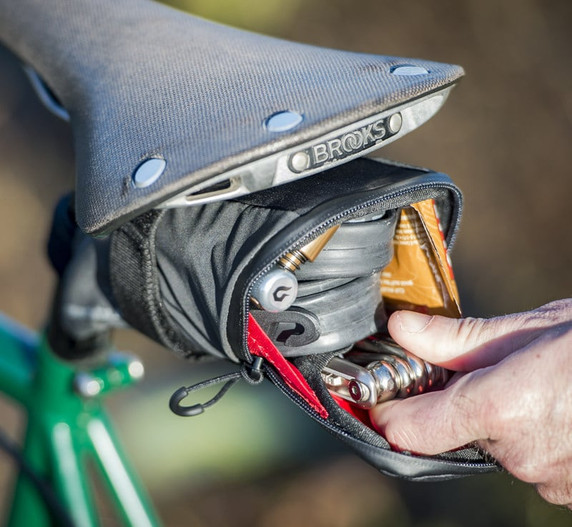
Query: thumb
x,y
467,344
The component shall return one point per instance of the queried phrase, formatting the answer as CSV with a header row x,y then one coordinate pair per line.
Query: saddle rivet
x,y
407,70
300,161
394,123
283,121
148,172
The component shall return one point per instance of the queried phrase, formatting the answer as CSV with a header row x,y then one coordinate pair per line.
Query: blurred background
x,y
505,138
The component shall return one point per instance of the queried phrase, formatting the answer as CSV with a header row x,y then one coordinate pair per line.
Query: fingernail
x,y
413,322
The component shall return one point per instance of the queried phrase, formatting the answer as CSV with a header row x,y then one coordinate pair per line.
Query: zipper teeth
x,y
315,231
278,381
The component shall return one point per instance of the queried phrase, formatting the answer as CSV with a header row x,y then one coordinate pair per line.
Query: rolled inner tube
x,y
339,297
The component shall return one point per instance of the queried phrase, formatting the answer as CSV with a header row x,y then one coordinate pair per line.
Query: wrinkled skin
x,y
512,393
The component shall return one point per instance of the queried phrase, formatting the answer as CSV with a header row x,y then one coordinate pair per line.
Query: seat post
x,y
63,245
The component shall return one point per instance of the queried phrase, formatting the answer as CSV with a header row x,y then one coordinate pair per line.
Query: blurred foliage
x,y
504,137
256,15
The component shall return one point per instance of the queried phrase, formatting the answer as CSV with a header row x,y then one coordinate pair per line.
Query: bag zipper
x,y
301,240
336,431
322,227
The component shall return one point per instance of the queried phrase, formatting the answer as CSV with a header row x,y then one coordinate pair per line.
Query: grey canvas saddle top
x,y
168,109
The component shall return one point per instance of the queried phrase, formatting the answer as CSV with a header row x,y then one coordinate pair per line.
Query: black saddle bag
x,y
184,277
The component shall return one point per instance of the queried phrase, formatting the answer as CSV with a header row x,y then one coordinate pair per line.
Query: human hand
x,y
512,395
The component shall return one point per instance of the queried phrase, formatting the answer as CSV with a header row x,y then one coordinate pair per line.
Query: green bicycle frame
x,y
67,430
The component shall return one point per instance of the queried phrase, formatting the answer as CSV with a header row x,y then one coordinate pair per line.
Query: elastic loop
x,y
197,409
252,374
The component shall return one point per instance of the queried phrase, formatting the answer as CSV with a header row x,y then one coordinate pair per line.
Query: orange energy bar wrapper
x,y
420,276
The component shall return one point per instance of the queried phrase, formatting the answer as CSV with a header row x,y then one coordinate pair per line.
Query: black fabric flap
x,y
182,275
